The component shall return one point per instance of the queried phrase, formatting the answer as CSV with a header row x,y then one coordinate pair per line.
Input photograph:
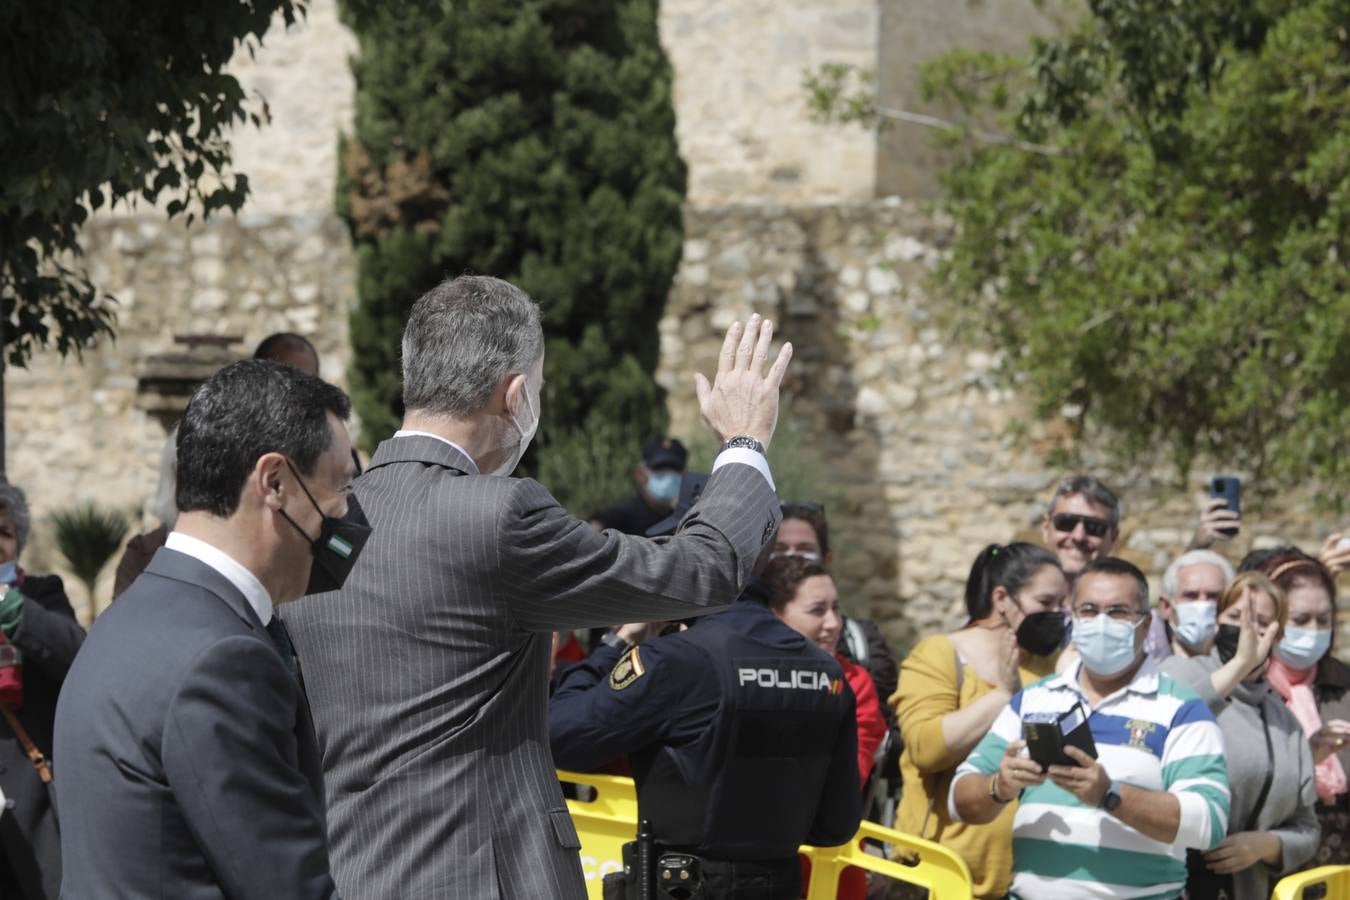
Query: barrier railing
x,y
609,819
1336,880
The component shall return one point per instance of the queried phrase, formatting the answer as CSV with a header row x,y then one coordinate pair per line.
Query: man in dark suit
x,y
189,766
428,672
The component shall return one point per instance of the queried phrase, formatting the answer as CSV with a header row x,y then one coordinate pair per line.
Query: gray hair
x,y
1194,558
462,338
15,505
1092,489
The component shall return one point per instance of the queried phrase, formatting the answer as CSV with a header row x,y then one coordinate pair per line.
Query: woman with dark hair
x,y
1272,829
38,640
1314,685
953,686
802,594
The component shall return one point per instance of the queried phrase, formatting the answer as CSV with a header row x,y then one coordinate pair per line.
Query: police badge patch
x,y
627,670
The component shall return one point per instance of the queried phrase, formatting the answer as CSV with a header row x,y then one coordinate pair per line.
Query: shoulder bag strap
x,y
44,768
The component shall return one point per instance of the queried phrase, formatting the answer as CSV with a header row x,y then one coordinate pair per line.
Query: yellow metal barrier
x,y
1335,878
609,820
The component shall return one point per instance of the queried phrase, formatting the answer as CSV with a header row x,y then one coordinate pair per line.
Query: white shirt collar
x,y
234,571
1145,681
406,432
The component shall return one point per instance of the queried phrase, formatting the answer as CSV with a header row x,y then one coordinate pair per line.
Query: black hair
x,y
785,574
274,345
1114,565
1009,566
245,410
812,514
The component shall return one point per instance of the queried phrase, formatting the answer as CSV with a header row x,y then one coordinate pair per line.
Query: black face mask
x,y
1226,641
1042,633
338,545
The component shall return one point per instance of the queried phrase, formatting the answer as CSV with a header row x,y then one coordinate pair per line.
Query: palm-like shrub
x,y
88,536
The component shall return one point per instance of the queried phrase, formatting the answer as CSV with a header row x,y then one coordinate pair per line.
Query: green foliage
x,y
533,141
88,536
105,102
588,470
1170,275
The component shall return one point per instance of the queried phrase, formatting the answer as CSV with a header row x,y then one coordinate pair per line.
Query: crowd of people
x,y
314,684
1220,718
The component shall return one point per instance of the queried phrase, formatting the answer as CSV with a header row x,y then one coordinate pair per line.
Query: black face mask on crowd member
x,y
1226,641
338,545
1042,633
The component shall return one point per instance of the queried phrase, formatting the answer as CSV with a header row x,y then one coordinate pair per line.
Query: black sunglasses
x,y
1067,522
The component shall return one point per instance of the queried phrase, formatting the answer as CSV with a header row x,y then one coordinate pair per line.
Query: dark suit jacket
x,y
428,671
186,760
48,638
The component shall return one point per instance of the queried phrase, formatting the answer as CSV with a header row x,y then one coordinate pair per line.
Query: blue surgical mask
x,y
1196,622
664,486
1106,646
1301,648
9,572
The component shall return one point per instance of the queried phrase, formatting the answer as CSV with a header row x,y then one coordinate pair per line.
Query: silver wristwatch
x,y
745,441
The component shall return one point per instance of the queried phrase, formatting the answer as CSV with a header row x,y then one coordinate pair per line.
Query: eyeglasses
x,y
1067,522
1088,612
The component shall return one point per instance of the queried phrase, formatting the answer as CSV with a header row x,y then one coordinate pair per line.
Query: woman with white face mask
x,y
1272,829
1314,685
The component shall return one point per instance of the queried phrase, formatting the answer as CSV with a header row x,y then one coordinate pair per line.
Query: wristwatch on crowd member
x,y
745,441
612,639
1111,799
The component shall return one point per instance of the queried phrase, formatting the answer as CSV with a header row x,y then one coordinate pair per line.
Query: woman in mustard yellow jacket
x,y
953,686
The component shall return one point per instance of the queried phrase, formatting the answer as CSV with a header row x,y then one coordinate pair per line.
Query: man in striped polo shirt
x,y
1117,825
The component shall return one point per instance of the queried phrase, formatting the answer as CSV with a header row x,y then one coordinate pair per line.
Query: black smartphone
x,y
1229,489
1047,734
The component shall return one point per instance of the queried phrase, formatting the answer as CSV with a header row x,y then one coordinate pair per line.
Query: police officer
x,y
742,739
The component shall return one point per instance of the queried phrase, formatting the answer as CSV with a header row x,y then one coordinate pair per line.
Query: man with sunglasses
x,y
1082,523
1117,823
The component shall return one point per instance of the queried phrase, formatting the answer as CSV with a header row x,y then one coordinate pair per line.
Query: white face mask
x,y
526,435
1196,622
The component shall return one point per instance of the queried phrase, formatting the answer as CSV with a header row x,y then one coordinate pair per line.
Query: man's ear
x,y
513,398
640,474
267,481
1165,607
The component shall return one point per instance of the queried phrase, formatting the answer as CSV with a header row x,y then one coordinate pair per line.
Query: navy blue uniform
x,y
741,734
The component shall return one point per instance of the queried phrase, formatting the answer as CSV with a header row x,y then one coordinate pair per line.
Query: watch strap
x,y
745,441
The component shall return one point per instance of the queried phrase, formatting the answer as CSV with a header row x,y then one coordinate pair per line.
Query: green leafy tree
x,y
106,102
533,141
1157,237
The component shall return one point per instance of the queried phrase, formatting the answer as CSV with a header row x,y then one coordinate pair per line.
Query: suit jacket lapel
x,y
181,567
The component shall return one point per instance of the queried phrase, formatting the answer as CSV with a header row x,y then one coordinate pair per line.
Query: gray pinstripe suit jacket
x,y
427,673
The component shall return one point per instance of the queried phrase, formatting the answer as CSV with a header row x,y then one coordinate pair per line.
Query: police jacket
x,y
741,734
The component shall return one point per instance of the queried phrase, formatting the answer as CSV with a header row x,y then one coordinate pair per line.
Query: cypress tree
x,y
534,141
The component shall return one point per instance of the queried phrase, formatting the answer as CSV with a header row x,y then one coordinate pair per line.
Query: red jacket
x,y
871,723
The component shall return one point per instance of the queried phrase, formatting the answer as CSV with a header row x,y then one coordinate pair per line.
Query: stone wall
x,y
905,429
740,108
74,429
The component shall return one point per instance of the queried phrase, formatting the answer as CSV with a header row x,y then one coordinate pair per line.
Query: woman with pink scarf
x,y
1315,685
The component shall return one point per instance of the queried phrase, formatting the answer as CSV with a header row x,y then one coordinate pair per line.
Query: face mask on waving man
x,y
664,486
1106,645
526,435
1196,621
1302,648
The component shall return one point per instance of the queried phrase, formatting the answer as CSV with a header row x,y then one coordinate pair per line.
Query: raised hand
x,y
741,399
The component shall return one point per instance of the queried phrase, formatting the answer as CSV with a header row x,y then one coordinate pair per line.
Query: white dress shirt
x,y
234,571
